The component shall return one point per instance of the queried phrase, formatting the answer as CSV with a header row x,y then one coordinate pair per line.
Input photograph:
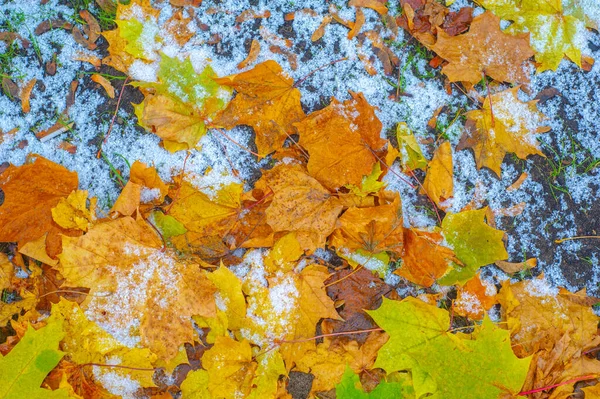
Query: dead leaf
x,y
342,140
438,184
30,192
105,83
484,50
266,100
252,55
301,204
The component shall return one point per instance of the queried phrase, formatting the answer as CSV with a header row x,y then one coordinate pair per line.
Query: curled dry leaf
x,y
318,34
26,95
438,184
377,5
252,55
105,83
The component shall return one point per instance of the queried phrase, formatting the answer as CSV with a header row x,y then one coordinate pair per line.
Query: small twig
x,y
164,247
296,341
112,121
347,275
238,144
74,292
560,241
299,82
389,167
117,366
581,378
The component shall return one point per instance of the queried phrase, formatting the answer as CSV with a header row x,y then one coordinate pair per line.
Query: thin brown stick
x,y
560,241
117,366
299,82
238,144
296,341
112,122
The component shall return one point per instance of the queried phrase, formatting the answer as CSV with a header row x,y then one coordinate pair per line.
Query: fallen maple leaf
x,y
504,124
424,259
474,242
85,342
484,50
556,328
138,293
373,229
267,100
555,32
474,298
301,204
452,366
28,363
30,193
181,104
439,180
341,140
125,43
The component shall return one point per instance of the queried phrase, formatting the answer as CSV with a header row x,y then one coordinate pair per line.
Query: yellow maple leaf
x,y
439,180
504,125
72,212
230,368
138,292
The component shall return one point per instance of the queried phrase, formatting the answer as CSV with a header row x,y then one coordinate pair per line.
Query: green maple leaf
x,y
474,242
554,32
23,370
369,184
182,103
351,388
446,365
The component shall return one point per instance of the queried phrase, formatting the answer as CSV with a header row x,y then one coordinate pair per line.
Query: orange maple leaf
x,y
342,140
484,50
30,193
266,100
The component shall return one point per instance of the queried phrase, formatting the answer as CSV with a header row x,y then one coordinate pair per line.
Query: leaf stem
x,y
581,378
112,121
560,241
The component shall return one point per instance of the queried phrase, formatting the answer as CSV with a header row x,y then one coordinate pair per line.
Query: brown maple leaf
x,y
267,100
484,50
301,204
